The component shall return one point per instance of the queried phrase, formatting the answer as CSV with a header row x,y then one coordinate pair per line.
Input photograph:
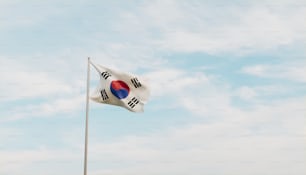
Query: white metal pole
x,y
87,110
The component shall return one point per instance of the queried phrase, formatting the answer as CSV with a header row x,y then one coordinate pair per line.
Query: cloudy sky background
x,y
227,78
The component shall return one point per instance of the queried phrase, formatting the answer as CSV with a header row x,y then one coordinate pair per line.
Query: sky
x,y
227,84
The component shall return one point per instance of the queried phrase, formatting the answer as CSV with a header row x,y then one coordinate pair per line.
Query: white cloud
x,y
126,57
294,72
17,13
170,81
62,105
250,29
21,82
211,28
23,161
8,134
257,94
268,138
259,143
246,93
49,87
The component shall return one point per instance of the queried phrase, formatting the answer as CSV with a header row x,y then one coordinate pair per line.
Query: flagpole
x,y
87,109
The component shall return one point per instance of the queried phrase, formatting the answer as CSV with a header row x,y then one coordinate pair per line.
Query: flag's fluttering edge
x,y
121,89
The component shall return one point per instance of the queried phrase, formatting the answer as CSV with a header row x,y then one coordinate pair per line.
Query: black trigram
x,y
104,95
132,103
135,82
105,75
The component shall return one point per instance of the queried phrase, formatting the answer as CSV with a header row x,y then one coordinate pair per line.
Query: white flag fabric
x,y
121,89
